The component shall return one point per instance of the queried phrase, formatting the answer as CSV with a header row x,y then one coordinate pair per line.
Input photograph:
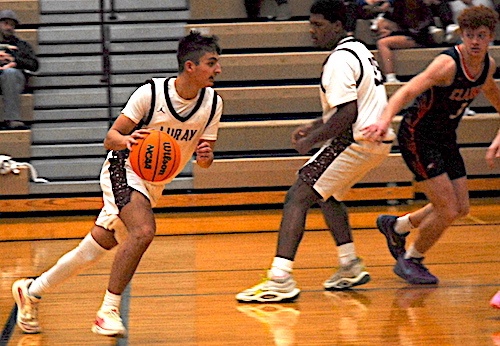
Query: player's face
x,y
207,69
477,41
324,33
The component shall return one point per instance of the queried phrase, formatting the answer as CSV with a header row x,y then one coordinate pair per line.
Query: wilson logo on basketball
x,y
167,156
156,157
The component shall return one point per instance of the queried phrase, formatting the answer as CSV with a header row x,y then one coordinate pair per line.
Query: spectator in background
x,y
365,9
16,58
410,25
283,11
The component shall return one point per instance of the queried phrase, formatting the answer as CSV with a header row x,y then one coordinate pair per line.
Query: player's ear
x,y
189,66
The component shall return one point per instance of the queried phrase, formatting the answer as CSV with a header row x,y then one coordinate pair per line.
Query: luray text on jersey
x,y
465,94
181,134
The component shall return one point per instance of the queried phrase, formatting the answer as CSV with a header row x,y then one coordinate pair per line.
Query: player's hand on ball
x,y
134,136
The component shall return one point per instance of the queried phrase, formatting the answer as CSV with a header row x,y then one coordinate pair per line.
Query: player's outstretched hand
x,y
300,132
493,153
375,132
204,154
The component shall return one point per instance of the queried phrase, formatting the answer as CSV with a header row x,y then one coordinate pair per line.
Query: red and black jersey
x,y
437,111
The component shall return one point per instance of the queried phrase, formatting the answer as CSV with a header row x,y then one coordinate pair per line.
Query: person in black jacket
x,y
283,11
17,58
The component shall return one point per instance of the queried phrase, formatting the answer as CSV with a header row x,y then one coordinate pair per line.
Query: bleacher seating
x,y
230,10
269,85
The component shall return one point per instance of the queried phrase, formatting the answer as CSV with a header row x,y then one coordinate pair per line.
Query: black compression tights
x,y
337,220
298,200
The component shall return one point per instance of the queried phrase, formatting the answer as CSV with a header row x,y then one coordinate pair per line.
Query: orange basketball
x,y
156,157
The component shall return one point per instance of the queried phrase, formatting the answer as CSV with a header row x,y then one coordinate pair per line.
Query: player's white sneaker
x,y
109,323
354,274
271,289
27,307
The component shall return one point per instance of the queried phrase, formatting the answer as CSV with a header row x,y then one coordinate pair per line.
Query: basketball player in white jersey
x,y
185,106
352,96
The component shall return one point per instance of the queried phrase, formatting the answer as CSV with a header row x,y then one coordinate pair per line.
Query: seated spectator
x,y
410,25
283,11
365,9
16,57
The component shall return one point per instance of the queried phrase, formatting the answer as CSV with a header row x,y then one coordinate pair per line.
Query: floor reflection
x,y
352,308
279,318
408,316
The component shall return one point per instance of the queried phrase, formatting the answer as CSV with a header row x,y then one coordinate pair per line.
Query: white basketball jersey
x,y
187,121
350,73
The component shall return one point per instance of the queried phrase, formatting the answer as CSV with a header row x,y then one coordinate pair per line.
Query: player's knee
x,y
463,211
296,199
143,236
453,212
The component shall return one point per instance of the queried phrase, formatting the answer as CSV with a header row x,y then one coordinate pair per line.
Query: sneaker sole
x,y
105,332
24,327
281,298
347,283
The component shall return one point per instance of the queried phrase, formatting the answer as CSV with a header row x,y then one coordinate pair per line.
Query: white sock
x,y
86,253
281,267
403,224
347,253
111,300
413,253
391,77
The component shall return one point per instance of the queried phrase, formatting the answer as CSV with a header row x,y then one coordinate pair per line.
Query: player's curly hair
x,y
476,16
332,10
193,46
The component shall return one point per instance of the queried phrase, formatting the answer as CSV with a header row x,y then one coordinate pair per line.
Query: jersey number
x,y
460,111
376,72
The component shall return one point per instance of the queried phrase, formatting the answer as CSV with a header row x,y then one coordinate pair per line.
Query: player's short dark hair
x,y
476,16
193,46
332,10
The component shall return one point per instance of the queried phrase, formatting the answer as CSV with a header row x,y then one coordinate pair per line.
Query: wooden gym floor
x,y
183,291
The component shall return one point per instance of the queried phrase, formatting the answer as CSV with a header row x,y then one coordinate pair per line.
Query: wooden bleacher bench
x,y
16,144
281,172
272,35
27,104
307,65
15,184
248,101
477,131
230,9
30,36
